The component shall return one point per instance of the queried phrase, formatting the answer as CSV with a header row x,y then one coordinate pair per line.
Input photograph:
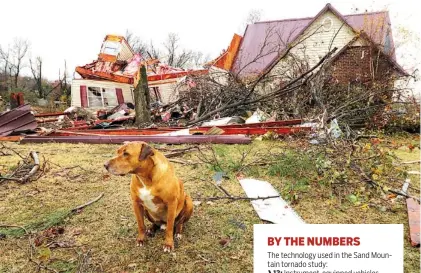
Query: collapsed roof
x,y
118,62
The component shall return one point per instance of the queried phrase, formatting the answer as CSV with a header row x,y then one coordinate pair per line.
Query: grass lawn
x,y
101,237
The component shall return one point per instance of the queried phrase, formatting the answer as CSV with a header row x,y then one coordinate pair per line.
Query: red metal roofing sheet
x,y
17,120
234,139
226,59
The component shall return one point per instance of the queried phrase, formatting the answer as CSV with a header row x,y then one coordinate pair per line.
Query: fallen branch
x,y
279,92
371,181
365,136
34,169
411,162
220,188
30,228
174,154
10,178
87,204
31,173
6,147
178,161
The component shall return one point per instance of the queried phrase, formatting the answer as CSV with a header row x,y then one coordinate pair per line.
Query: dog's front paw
x,y
168,247
178,236
140,241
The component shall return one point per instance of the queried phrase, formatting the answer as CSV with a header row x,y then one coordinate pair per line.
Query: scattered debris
x,y
258,116
223,121
218,178
274,210
367,179
18,120
404,188
235,139
16,99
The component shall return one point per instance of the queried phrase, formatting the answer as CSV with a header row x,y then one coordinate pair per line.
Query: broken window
x,y
94,97
102,97
109,97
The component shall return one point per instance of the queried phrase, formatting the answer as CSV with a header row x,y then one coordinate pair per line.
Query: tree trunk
x,y
142,99
16,78
10,79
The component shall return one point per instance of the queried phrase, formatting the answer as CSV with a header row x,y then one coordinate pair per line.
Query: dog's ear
x,y
145,152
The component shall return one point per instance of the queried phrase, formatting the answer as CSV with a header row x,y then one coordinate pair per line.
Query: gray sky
x,y
74,30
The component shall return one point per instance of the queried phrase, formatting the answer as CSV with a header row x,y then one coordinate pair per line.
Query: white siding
x,y
126,88
315,42
125,52
167,89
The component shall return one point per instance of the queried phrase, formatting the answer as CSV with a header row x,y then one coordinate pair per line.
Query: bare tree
x,y
136,43
19,50
65,89
199,59
173,55
5,58
254,15
36,69
152,51
148,51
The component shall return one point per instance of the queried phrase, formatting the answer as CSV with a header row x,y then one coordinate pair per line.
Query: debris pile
x,y
103,109
77,124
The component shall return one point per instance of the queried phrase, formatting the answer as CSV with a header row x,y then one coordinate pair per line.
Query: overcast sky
x,y
74,29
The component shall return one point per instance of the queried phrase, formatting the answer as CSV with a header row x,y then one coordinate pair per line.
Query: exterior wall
x,y
167,89
360,64
76,83
352,65
315,42
125,52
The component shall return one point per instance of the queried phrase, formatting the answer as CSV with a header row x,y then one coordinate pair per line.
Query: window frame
x,y
101,91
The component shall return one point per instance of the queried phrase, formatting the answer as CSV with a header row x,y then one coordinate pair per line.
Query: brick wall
x,y
354,65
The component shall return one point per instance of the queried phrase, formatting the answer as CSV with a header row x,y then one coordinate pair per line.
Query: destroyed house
x,y
364,42
111,79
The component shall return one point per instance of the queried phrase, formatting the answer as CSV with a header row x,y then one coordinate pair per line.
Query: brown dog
x,y
155,190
